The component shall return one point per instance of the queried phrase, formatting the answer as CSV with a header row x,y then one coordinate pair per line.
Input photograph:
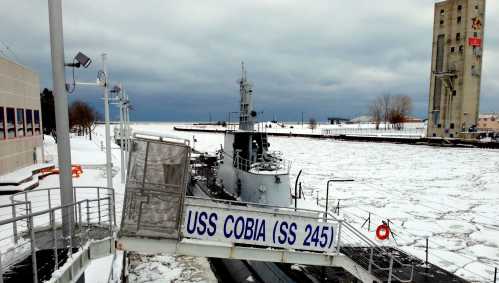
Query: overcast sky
x,y
180,60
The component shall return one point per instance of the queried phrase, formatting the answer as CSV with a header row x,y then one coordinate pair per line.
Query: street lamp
x,y
102,81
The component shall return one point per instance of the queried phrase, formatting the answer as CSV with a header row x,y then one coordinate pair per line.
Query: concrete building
x,y
456,67
20,117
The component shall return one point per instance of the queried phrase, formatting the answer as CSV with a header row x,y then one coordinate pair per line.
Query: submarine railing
x,y
261,165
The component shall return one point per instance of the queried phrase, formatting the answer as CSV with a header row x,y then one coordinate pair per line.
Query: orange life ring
x,y
383,232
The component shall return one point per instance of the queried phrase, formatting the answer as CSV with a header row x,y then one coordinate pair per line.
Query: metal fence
x,y
372,132
32,223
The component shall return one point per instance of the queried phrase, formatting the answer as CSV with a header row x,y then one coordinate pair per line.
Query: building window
x,y
452,125
2,124
461,48
458,20
475,34
454,92
37,122
459,7
439,126
21,131
476,7
458,36
451,135
442,12
29,122
441,22
11,123
452,49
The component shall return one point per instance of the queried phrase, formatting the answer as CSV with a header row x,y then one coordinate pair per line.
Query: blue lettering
x,y
248,229
228,234
203,216
190,229
280,239
261,231
292,233
239,224
213,225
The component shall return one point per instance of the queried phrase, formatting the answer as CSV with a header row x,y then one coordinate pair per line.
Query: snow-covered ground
x,y
447,194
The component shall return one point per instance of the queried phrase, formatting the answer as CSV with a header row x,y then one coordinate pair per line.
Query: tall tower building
x,y
456,67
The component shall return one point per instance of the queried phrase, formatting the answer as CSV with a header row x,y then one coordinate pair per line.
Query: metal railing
x,y
42,199
372,132
32,222
262,164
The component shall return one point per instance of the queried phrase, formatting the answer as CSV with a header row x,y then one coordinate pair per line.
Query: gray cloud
x,y
180,59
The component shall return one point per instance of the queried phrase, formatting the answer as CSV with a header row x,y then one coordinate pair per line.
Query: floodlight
x,y
80,60
83,60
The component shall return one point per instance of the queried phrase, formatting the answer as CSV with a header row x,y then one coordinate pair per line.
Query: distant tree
x,y
386,101
48,111
82,118
312,123
401,107
376,111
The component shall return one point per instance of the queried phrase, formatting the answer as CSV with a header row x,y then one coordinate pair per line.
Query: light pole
x,y
127,128
119,99
109,162
61,114
122,133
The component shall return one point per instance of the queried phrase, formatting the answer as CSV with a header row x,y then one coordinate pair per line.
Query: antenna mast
x,y
247,116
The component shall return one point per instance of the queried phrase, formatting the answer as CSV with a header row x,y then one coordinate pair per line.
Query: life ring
x,y
382,232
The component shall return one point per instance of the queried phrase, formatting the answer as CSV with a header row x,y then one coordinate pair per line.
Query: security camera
x,y
80,60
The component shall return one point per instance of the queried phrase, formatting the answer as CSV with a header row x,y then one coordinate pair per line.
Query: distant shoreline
x,y
411,141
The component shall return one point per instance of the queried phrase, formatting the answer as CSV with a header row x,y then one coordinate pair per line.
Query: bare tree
x,y
401,107
376,111
82,118
312,123
386,101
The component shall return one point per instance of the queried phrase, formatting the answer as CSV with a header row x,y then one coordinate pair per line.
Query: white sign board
x,y
261,228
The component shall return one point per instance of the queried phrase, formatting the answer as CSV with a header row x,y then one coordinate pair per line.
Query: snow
x,y
410,130
165,268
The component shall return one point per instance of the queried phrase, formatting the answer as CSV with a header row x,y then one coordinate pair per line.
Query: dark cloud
x,y
179,60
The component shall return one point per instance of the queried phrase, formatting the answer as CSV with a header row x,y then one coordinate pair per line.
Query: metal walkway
x,y
33,244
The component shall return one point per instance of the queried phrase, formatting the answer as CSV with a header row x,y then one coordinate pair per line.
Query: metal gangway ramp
x,y
159,217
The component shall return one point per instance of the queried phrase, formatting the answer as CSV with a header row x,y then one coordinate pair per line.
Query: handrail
x,y
159,136
110,192
38,213
258,165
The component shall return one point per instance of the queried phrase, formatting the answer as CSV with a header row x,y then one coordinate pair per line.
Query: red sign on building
x,y
475,41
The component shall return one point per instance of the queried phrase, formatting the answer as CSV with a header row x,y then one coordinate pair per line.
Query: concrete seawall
x,y
400,140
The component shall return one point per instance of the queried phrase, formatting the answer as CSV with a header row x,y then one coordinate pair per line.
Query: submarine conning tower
x,y
247,116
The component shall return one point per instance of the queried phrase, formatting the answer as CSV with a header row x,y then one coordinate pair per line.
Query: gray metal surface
x,y
61,111
155,189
